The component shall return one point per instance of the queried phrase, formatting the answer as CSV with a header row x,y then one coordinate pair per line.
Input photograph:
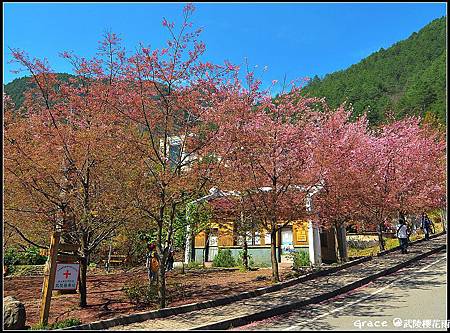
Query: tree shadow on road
x,y
367,306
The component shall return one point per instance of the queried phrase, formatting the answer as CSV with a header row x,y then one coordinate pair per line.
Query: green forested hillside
x,y
16,88
407,78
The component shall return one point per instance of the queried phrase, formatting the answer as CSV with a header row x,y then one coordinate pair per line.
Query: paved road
x,y
417,292
293,294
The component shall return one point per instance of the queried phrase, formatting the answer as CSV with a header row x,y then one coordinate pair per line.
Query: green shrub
x,y
224,258
301,259
66,323
30,256
11,257
40,327
251,263
58,325
139,293
194,265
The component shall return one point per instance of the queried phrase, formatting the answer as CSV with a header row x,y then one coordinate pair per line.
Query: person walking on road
x,y
402,235
427,225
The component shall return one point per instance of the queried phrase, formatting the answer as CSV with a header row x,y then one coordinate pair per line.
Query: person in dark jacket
x,y
426,225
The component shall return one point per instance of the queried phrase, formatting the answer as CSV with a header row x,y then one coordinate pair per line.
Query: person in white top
x,y
402,234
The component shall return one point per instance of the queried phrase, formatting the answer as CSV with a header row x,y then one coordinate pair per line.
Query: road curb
x,y
240,321
162,313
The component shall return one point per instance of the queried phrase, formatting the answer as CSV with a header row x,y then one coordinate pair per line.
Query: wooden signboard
x,y
52,281
66,258
68,247
63,247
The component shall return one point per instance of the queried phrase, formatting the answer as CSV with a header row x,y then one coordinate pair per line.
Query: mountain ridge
x,y
408,78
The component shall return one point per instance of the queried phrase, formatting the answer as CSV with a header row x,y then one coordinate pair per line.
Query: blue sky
x,y
296,39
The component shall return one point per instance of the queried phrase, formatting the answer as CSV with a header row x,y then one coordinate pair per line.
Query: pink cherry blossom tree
x,y
338,156
404,172
63,156
170,102
267,154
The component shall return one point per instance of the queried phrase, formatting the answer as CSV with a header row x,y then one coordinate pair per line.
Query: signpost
x,y
60,272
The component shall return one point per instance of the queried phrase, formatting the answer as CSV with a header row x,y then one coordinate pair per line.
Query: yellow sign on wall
x,y
301,233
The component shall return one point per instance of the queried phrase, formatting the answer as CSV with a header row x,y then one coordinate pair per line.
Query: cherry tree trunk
x,y
82,284
162,283
380,237
341,244
245,255
273,256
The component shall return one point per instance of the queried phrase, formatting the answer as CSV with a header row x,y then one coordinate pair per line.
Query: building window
x,y
251,238
214,237
256,238
267,239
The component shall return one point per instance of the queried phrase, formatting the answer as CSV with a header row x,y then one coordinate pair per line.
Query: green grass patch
x,y
194,265
58,325
373,250
389,244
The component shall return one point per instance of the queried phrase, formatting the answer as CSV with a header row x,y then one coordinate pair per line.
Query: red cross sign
x,y
66,277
